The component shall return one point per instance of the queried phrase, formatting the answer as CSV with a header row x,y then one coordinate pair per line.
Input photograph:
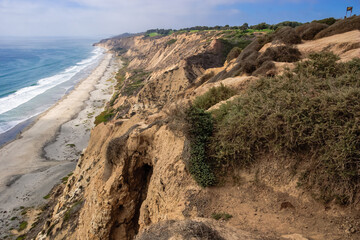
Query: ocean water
x,y
35,73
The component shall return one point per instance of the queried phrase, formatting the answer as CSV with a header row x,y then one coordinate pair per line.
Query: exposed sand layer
x,y
48,150
346,45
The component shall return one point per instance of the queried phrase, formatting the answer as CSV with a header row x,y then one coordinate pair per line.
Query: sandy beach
x,y
47,151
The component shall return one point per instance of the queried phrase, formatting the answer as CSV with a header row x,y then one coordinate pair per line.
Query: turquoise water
x,y
35,73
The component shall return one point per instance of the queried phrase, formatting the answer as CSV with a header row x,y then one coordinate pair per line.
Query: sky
x,y
105,18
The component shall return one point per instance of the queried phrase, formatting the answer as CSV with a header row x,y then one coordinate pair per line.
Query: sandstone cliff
x,y
133,181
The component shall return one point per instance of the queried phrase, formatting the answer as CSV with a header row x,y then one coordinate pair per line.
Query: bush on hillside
x,y
265,69
248,67
199,128
321,65
253,63
286,24
171,42
311,116
200,131
205,78
341,26
267,38
260,26
135,82
234,53
104,116
234,43
279,54
327,21
213,96
309,30
253,47
287,35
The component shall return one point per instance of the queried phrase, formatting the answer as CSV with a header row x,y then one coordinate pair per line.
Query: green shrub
x,y
205,78
285,24
120,75
310,115
223,216
308,31
64,179
320,65
200,130
233,41
260,26
279,54
213,96
341,26
72,210
170,42
47,196
114,98
234,53
134,83
287,35
328,21
104,116
23,226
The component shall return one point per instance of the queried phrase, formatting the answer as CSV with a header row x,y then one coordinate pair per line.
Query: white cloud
x,y
91,17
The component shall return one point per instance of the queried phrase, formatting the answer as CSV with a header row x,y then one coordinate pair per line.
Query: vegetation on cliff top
x,y
244,28
200,130
310,115
213,96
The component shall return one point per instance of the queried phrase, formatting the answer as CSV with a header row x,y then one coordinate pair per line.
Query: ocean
x,y
35,73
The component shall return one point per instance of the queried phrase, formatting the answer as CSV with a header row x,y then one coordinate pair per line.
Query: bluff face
x,y
132,182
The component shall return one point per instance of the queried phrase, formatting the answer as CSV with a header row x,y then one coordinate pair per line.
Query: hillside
x,y
271,153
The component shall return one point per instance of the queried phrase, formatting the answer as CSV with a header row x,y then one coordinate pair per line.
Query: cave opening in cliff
x,y
144,174
127,227
142,178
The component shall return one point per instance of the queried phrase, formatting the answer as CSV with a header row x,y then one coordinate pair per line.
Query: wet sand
x,y
48,150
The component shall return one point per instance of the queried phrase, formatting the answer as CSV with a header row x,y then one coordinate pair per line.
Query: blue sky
x,y
108,17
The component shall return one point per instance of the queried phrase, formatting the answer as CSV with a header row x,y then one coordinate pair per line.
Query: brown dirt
x,y
262,202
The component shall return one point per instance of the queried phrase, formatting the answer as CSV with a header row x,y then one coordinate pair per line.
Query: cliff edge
x,y
136,179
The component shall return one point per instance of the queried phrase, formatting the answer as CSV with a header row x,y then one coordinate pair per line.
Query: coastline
x,y
29,167
16,132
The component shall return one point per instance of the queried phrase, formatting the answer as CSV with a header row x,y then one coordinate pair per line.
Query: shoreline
x,y
31,121
29,174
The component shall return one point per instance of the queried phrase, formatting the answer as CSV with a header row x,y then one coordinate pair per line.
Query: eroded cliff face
x,y
133,173
133,177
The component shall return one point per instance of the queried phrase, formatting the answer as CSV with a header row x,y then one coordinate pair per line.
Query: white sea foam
x,y
26,94
6,126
